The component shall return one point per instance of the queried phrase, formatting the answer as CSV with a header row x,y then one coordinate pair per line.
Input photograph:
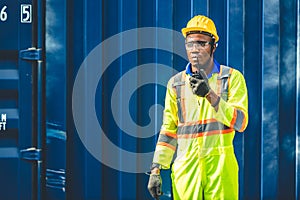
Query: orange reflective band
x,y
166,145
165,139
232,123
206,121
173,135
208,133
201,128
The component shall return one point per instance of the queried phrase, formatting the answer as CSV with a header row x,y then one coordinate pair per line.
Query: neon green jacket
x,y
190,122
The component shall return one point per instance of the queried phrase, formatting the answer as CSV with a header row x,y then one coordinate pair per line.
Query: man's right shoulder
x,y
176,79
177,75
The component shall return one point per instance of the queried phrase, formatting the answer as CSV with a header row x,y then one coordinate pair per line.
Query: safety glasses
x,y
197,44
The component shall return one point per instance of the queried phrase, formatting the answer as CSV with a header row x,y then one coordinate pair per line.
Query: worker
x,y
204,106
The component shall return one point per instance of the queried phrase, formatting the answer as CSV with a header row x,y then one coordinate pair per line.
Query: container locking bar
x,y
32,154
31,54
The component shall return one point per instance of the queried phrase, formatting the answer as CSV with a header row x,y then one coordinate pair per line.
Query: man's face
x,y
198,49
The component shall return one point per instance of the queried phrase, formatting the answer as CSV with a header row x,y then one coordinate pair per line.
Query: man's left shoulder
x,y
231,70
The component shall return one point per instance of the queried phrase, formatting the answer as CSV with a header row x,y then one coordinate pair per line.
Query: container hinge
x,y
31,153
31,54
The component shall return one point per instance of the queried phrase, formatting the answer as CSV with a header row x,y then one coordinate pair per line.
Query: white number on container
x,y
3,14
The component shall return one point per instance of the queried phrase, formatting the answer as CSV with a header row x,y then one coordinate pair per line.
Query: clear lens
x,y
196,44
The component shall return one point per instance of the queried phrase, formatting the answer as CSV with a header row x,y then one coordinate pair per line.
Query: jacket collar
x,y
216,69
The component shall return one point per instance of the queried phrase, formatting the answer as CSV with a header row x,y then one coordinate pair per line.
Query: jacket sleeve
x,y
167,140
234,112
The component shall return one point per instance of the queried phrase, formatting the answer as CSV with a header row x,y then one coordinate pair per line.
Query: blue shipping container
x,y
83,85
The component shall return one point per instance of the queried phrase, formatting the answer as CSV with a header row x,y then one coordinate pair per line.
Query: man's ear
x,y
214,47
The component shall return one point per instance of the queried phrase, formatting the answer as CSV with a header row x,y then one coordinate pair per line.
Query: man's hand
x,y
154,185
199,83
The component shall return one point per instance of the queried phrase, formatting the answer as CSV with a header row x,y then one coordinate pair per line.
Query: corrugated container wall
x,y
121,53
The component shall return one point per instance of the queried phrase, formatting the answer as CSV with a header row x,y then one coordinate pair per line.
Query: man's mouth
x,y
195,59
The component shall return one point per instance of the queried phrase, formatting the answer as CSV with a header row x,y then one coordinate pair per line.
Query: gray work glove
x,y
199,83
154,185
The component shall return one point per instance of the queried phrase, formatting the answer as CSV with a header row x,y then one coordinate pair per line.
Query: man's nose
x,y
195,53
194,47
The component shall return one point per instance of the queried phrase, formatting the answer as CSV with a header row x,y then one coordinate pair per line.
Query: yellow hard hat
x,y
201,24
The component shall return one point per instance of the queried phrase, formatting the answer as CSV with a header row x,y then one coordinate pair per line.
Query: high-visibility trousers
x,y
213,177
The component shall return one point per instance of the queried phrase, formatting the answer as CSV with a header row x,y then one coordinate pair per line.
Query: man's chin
x,y
198,65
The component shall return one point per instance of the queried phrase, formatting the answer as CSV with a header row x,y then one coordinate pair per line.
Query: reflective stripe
x,y
223,82
206,121
208,133
179,83
199,130
233,118
238,121
167,139
166,145
170,134
244,123
219,82
182,100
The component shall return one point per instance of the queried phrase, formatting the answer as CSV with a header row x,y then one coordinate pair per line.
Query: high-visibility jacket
x,y
193,128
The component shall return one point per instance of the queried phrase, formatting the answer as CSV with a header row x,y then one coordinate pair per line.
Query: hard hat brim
x,y
184,32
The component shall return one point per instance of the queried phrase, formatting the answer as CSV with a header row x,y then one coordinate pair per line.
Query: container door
x,y
22,99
